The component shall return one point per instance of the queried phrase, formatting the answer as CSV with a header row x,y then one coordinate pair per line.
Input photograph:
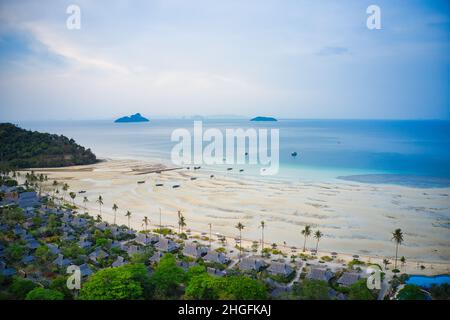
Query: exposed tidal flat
x,y
355,218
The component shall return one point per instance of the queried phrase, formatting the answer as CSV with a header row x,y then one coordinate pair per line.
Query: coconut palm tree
x,y
386,262
182,222
145,222
263,225
115,208
403,261
240,227
397,236
100,203
65,188
179,220
85,200
128,215
318,235
73,196
99,218
306,233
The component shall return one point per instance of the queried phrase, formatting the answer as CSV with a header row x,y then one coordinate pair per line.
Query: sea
x,y
406,153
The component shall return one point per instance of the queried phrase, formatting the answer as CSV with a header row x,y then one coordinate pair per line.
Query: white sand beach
x,y
355,218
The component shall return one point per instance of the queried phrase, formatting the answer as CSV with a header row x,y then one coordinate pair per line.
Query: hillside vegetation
x,y
21,148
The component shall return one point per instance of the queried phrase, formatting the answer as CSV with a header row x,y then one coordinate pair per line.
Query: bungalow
x,y
252,264
53,248
145,239
348,278
85,271
33,244
28,199
320,274
216,272
191,250
185,265
218,257
5,271
84,243
79,222
27,259
280,269
102,225
98,254
61,262
156,257
132,249
119,262
166,245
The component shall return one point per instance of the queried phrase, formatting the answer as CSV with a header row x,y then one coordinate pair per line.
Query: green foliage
x,y
440,292
128,282
44,294
20,287
72,251
43,254
167,278
15,252
60,284
355,262
27,149
411,292
205,287
359,291
143,256
11,216
312,290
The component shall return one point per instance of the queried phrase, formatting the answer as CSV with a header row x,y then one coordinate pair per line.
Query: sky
x,y
173,58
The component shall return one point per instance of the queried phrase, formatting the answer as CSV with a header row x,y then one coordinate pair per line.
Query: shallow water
x,y
326,148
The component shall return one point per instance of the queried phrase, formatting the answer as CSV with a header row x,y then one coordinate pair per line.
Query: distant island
x,y
134,118
21,148
263,119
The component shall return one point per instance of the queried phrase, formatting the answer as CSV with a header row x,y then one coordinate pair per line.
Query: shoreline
x,y
121,175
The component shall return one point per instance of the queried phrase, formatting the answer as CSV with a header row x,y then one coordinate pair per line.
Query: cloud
x,y
333,51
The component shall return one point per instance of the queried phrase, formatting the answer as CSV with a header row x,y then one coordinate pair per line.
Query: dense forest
x,y
21,148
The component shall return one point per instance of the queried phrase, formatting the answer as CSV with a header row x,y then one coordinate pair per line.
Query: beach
x,y
355,218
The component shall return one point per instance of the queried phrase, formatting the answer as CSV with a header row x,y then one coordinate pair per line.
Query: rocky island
x,y
263,119
133,118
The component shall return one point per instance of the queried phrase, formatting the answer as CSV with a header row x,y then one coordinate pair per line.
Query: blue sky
x,y
169,58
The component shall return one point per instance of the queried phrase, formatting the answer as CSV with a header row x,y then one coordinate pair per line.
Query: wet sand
x,y
355,218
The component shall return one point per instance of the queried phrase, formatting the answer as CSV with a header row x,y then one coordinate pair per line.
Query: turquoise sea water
x,y
424,281
414,153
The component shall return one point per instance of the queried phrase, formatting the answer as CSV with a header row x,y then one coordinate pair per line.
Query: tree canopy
x,y
128,282
21,148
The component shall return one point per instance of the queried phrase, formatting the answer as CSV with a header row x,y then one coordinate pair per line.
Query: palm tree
x,y
128,215
65,188
240,227
318,235
115,208
182,222
179,221
145,223
306,233
85,200
100,203
386,262
73,195
403,261
99,218
263,225
397,236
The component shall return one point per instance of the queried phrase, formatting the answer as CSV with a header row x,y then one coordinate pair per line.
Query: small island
x,y
133,118
263,119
